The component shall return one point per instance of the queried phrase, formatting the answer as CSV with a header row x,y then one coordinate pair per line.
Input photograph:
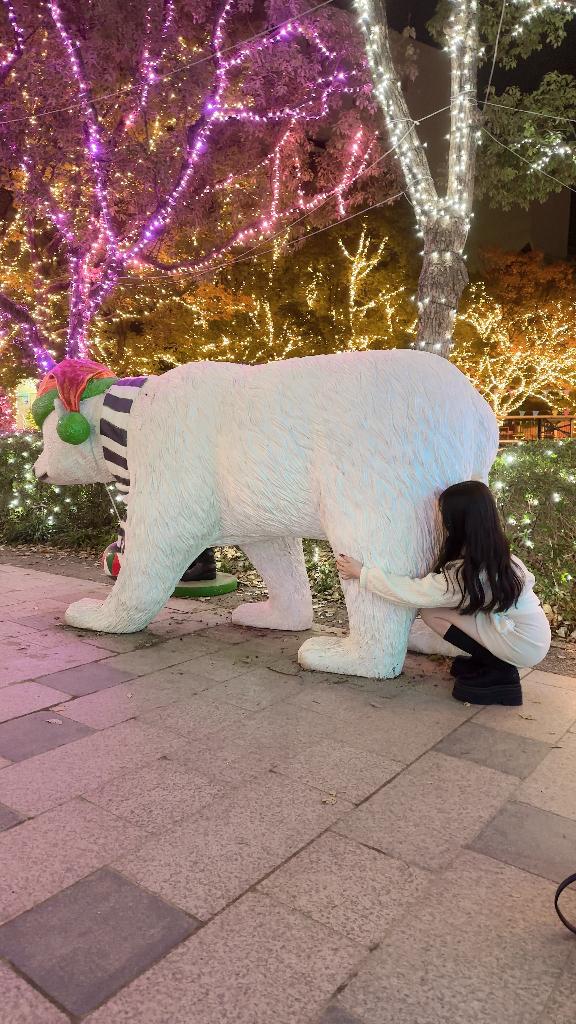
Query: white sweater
x,y
523,629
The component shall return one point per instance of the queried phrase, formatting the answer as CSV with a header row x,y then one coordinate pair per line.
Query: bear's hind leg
x,y
289,606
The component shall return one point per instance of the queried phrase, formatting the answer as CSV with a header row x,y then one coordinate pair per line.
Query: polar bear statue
x,y
353,447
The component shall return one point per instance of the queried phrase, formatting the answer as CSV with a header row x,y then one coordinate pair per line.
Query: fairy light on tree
x,y
177,145
363,261
512,355
7,417
443,215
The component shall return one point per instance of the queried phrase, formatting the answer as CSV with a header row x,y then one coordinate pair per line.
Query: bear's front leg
x,y
375,647
282,567
156,556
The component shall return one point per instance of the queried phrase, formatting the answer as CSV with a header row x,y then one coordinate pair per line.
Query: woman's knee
x,y
434,619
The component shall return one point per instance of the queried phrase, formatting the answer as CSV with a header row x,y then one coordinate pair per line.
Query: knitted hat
x,y
71,381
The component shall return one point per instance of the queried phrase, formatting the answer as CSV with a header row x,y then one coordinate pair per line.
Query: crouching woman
x,y
479,598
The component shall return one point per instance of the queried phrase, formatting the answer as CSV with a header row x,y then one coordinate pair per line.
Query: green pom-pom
x,y
73,428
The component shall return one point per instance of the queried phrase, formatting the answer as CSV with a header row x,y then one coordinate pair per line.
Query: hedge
x,y
534,483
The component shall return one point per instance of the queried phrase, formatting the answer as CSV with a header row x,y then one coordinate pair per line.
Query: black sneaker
x,y
204,568
491,686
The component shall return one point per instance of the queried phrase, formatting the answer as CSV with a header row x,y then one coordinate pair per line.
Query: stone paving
x,y
193,831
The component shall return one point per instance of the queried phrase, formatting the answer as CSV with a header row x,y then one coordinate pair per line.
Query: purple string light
x,y
12,56
97,260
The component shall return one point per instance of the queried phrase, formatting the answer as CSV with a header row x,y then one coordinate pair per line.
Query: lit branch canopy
x,y
151,137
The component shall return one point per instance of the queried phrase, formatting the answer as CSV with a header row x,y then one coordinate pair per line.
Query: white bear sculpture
x,y
353,447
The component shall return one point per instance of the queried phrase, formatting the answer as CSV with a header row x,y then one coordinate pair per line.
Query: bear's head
x,y
67,410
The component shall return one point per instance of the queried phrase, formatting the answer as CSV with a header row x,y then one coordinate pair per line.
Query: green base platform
x,y
223,584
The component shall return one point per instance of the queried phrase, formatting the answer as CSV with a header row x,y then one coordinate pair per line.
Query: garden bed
x,y
535,485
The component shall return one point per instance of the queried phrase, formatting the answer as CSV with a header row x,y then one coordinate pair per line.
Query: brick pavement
x,y
193,831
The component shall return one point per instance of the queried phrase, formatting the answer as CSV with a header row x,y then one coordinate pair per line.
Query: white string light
x,y
533,166
495,54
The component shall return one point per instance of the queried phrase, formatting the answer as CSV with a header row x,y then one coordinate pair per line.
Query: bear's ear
x,y
43,406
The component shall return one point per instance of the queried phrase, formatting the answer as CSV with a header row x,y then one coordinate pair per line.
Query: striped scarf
x,y
118,401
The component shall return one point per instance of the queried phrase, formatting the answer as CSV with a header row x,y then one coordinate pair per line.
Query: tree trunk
x,y
442,280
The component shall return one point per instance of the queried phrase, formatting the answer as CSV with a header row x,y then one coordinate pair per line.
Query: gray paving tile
x,y
426,814
531,839
127,700
551,786
164,655
405,726
21,1004
334,766
257,743
554,679
46,854
195,718
34,734
227,633
257,963
335,1014
503,751
225,662
485,948
41,620
24,698
353,890
30,654
547,712
157,795
560,1007
8,818
86,678
118,643
104,923
211,859
256,689
51,778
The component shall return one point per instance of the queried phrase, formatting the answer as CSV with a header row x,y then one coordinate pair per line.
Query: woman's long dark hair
x,y
473,533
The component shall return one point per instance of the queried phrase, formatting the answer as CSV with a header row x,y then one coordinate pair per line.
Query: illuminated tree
x,y
7,420
443,213
146,139
294,301
363,261
511,355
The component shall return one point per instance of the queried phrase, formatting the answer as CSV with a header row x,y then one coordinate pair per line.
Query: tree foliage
x,y
149,138
523,129
516,332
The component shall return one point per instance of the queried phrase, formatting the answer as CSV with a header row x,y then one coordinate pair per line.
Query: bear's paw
x,y
272,615
343,656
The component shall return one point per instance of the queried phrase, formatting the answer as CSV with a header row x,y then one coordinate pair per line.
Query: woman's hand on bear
x,y
348,568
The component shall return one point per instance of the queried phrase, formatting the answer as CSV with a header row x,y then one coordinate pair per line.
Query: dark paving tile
x,y
494,748
8,818
337,1015
529,838
25,737
87,942
86,678
42,621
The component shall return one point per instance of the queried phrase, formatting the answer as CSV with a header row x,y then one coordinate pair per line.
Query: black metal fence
x,y
537,428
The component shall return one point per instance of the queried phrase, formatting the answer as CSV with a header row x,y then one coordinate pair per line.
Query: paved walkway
x,y
195,832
